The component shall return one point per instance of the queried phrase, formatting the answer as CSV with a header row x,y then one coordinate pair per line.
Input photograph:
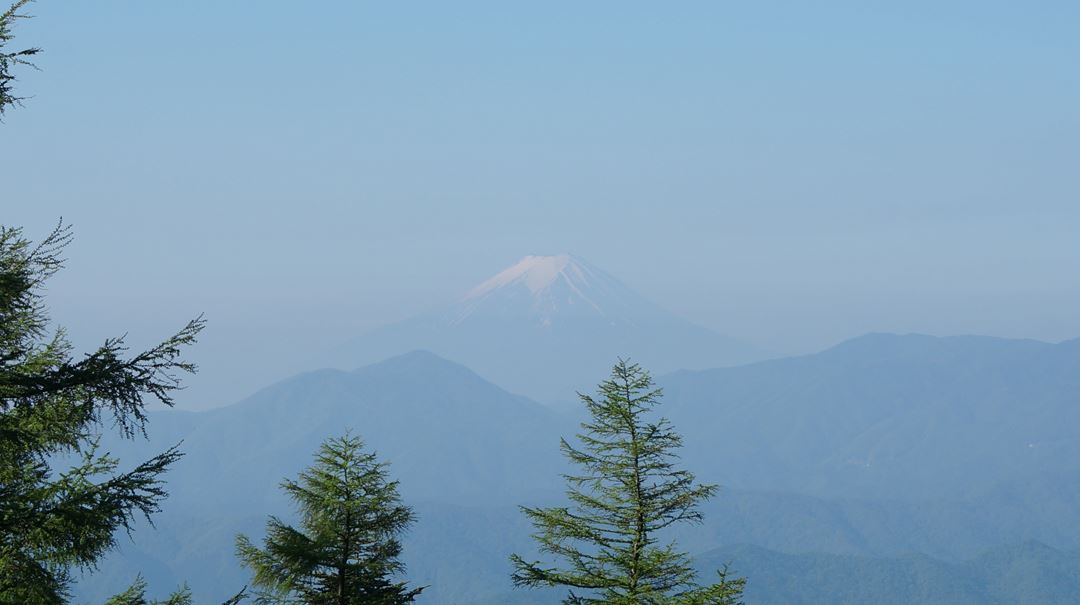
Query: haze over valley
x,y
960,450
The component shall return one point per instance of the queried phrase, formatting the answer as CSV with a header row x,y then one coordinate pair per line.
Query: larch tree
x,y
136,595
345,550
55,519
10,59
609,540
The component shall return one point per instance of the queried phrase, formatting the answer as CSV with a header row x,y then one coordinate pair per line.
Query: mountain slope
x,y
1022,574
939,420
461,552
449,435
884,416
549,326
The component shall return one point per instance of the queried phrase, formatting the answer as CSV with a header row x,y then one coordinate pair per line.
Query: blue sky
x,y
789,173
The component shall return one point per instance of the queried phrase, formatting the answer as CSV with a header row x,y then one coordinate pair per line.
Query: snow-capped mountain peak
x,y
544,287
549,325
536,273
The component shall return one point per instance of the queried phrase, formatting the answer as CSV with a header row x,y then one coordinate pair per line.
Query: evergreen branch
x,y
8,60
627,489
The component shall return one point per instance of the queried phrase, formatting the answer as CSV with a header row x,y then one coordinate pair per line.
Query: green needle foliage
x,y
10,59
51,407
626,494
136,595
345,551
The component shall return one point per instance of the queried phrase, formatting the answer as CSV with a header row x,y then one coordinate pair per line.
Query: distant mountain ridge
x,y
547,327
451,436
888,416
1027,573
454,440
882,445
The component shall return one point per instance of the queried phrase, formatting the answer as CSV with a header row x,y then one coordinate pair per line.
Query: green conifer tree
x,y
51,406
136,595
627,492
346,549
9,59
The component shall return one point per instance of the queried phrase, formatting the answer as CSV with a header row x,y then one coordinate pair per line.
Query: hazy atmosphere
x,y
790,175
496,303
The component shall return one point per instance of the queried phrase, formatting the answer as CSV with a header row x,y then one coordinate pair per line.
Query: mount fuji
x,y
549,326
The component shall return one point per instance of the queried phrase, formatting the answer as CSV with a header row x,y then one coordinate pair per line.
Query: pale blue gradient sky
x,y
792,174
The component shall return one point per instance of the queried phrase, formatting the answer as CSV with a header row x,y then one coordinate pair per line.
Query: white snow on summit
x,y
535,272
547,325
545,286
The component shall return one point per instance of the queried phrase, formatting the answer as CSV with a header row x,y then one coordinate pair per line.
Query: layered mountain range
x,y
848,459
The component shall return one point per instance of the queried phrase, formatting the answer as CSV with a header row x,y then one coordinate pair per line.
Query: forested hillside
x,y
782,438
1022,574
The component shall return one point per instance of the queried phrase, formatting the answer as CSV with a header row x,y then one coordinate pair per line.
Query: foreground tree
x,y
51,405
136,595
626,494
10,59
346,549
